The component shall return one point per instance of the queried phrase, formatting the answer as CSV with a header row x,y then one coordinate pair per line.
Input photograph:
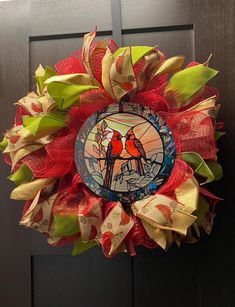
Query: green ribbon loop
x,y
66,95
80,247
22,175
3,144
66,225
45,124
42,77
187,82
137,52
211,170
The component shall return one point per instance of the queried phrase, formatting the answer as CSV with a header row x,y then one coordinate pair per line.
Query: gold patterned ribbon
x,y
160,215
39,214
114,229
90,219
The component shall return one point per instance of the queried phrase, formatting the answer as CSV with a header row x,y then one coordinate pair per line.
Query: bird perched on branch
x,y
135,148
114,150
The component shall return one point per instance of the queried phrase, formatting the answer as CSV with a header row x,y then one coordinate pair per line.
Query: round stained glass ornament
x,y
124,152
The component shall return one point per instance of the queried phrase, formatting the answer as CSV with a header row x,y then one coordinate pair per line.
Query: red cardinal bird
x,y
114,151
135,148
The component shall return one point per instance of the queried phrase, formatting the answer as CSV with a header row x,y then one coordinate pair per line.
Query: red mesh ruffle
x,y
98,54
74,63
138,236
93,101
180,173
157,82
196,133
70,65
151,99
54,160
138,67
74,197
90,102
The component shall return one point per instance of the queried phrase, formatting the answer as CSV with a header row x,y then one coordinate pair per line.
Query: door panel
x,y
14,62
215,33
171,42
52,17
86,280
170,278
155,13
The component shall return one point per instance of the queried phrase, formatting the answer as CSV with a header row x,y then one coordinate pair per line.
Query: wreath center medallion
x,y
124,152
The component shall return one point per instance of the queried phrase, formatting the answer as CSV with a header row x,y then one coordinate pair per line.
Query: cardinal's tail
x,y
109,174
139,167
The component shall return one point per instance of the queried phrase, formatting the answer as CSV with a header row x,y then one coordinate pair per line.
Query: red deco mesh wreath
x,y
49,123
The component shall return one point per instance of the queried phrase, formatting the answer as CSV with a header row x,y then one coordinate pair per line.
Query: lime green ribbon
x,y
47,123
66,95
80,247
42,75
66,225
137,52
22,175
3,144
211,170
187,82
203,207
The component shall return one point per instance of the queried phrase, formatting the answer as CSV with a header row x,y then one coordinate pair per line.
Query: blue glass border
x,y
168,148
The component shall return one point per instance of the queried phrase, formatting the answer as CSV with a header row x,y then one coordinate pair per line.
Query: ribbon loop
x,y
114,229
90,219
159,215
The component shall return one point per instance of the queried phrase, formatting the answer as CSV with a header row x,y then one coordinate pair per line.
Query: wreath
x,y
114,147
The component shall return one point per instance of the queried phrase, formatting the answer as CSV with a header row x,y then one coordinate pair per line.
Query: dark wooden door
x,y
34,274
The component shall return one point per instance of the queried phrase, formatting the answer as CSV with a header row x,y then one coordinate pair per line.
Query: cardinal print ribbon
x,y
114,229
90,218
160,214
